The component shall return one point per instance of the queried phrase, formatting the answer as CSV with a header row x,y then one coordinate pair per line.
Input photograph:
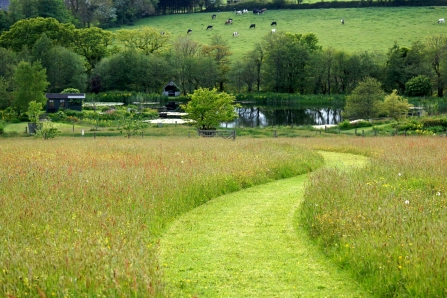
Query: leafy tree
x,y
70,91
5,95
92,43
419,86
365,100
147,39
220,52
53,9
8,59
5,21
88,12
25,33
29,83
396,106
131,124
65,69
34,111
285,63
436,54
208,108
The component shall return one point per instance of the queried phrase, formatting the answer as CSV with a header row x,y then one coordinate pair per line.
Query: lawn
x,y
365,29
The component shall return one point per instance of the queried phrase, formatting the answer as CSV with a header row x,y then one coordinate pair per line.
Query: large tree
x,y
208,108
24,33
147,39
436,55
365,100
29,84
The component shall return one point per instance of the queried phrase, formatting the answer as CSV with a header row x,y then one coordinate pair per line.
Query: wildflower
x,y
407,202
438,193
399,174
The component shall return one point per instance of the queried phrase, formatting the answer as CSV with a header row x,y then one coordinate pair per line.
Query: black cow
x,y
209,27
189,31
213,16
273,24
256,11
252,26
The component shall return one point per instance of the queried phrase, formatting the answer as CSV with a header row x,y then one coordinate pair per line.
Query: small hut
x,y
171,89
68,101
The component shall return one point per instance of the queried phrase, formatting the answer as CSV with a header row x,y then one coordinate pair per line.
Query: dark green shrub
x,y
430,122
1,129
344,125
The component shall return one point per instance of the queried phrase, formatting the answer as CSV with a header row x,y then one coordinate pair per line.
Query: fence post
x,y
363,132
274,133
355,131
94,135
45,136
234,134
325,128
73,128
405,133
141,134
26,129
375,132
189,134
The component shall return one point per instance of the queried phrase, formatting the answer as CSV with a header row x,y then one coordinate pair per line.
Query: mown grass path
x,y
246,244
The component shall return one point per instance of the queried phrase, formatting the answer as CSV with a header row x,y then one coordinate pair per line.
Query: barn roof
x,y
64,95
171,83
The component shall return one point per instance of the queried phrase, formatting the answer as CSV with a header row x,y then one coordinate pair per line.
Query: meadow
x,y
385,222
82,217
366,29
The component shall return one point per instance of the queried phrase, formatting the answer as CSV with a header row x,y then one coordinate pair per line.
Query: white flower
x,y
407,202
438,193
399,174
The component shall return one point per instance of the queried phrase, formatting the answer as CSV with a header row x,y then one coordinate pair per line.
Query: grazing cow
x,y
229,22
252,26
239,12
273,24
342,21
256,11
213,16
235,33
441,20
273,30
209,27
263,10
162,33
244,10
189,31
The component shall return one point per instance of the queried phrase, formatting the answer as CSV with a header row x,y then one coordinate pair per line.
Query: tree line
x,y
90,60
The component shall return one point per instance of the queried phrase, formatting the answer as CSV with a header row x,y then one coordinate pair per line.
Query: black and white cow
x,y
441,20
213,16
342,21
252,26
273,24
209,27
235,33
189,31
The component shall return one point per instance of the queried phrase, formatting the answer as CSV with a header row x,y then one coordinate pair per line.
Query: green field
x,y
365,29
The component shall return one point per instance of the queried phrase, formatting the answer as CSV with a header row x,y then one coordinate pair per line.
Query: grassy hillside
x,y
365,29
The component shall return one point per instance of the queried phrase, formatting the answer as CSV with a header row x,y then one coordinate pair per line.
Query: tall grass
x,y
385,222
81,217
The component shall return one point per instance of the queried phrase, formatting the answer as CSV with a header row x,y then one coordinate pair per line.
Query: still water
x,y
267,115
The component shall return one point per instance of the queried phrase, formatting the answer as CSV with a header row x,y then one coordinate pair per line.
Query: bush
x,y
1,129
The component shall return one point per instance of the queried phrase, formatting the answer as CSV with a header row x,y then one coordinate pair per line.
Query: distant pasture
x,y
365,29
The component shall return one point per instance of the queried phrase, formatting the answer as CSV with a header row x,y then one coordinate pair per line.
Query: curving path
x,y
245,244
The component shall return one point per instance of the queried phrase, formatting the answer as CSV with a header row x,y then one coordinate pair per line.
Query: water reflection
x,y
261,116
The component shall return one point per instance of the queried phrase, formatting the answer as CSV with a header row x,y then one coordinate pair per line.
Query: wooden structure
x,y
171,89
69,101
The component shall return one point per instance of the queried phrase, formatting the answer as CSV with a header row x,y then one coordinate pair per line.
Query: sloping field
x,y
365,29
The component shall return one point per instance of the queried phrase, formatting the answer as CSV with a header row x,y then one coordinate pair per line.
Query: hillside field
x,y
365,29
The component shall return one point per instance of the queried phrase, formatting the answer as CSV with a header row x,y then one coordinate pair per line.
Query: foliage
x,y
147,39
70,90
208,108
34,111
131,124
365,100
29,84
24,33
46,130
396,106
418,86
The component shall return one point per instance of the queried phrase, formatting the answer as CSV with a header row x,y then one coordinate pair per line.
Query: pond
x,y
251,115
